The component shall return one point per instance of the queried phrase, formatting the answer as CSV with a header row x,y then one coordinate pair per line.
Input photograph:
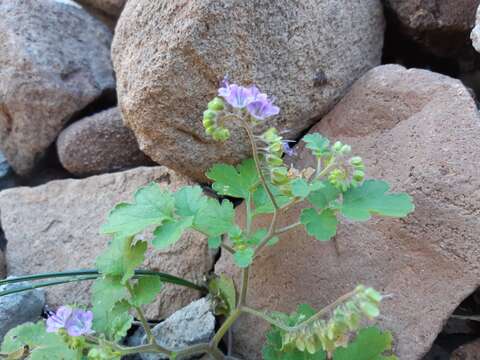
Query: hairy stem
x,y
300,326
141,317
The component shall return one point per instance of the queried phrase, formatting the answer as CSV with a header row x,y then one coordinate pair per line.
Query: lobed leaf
x,y
371,198
243,258
151,206
323,195
237,182
214,218
323,225
170,232
146,290
370,344
317,143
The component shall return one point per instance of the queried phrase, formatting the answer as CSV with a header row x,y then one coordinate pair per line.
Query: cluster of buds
x,y
211,123
276,146
334,333
342,172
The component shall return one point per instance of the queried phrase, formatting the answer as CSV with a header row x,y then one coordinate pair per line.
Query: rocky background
x,y
99,97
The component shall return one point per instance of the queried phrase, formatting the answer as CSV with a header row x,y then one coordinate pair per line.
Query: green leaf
x,y
214,219
370,344
188,200
371,198
317,143
257,237
170,232
300,188
214,242
273,348
323,195
237,182
323,226
119,321
146,290
223,288
152,206
263,204
121,258
243,258
42,345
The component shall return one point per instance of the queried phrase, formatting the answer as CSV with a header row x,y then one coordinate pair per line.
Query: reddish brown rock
x,y
54,227
442,26
99,143
420,131
169,57
55,60
470,351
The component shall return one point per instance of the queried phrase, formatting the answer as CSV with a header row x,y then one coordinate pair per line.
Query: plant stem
x,y
248,207
287,228
141,317
227,248
300,326
244,290
225,326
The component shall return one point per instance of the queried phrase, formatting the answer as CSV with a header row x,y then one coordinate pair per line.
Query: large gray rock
x,y
54,227
475,34
99,143
55,60
16,309
107,11
3,265
442,26
170,56
191,325
420,131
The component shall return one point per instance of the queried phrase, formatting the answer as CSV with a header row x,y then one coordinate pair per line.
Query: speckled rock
x,y
469,351
418,130
3,265
475,34
16,309
441,26
112,8
170,56
54,227
55,60
98,144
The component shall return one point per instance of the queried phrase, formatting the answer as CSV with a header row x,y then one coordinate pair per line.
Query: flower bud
x,y
337,147
216,104
209,114
274,160
358,175
207,122
210,130
280,176
346,149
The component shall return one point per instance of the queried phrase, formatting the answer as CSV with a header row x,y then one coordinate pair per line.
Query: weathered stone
x,y
170,56
3,265
470,351
475,34
442,26
191,325
418,130
54,227
112,8
16,309
55,60
98,144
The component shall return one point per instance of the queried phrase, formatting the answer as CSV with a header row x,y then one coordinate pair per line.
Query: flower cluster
x,y
346,318
75,322
242,101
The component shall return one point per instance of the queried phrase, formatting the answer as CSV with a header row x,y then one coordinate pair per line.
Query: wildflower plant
x,y
335,188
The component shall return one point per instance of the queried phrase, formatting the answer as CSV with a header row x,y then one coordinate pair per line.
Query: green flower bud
x,y
216,104
209,114
280,176
274,160
356,161
358,175
208,122
337,147
210,130
346,149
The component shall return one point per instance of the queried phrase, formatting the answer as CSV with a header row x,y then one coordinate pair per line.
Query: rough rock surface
x,y
475,34
470,351
442,26
19,308
3,265
169,58
418,130
99,143
55,60
191,325
112,8
54,227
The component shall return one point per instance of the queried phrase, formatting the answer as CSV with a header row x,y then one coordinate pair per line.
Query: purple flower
x,y
56,321
262,108
79,323
287,149
237,96
75,321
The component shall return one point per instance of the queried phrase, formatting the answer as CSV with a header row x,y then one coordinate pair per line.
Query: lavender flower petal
x,y
79,323
57,320
262,108
287,149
